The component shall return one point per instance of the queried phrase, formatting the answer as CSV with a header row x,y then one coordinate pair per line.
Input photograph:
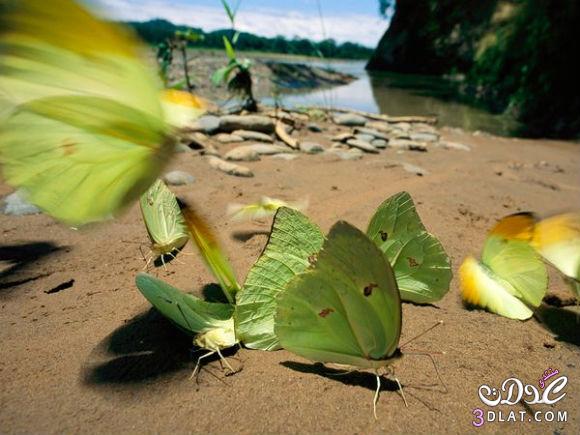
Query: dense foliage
x,y
156,31
515,56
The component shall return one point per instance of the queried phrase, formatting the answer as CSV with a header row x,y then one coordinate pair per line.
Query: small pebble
x,y
178,178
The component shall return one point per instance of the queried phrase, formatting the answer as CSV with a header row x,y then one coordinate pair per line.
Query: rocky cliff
x,y
519,56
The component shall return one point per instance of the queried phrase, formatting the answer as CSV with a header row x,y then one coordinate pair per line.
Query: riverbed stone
x,y
182,148
381,126
178,178
423,137
364,137
253,135
207,124
228,138
252,152
269,149
372,132
405,126
403,144
314,127
342,137
350,120
380,143
242,154
230,123
210,150
361,145
285,156
351,154
454,146
311,147
15,204
229,168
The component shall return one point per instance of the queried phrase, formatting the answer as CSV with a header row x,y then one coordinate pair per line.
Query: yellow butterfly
x,y
264,208
84,126
510,279
556,239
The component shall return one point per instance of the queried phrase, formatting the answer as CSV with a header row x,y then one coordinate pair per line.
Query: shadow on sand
x,y
563,322
354,378
146,348
19,258
244,236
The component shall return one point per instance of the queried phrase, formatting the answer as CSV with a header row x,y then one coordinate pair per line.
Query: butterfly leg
x,y
174,258
146,258
401,390
195,370
376,398
225,361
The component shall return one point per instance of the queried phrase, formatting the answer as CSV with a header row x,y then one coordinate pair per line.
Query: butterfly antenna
x,y
434,366
376,398
440,322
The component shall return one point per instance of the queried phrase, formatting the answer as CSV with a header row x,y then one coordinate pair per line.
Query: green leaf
x,y
422,267
230,52
229,11
221,75
180,86
235,38
293,245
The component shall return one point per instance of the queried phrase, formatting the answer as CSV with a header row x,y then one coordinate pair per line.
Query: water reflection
x,y
400,95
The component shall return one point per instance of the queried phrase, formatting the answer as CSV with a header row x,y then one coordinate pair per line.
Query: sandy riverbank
x,y
94,358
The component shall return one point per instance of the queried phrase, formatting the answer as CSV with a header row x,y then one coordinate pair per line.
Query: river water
x,y
400,95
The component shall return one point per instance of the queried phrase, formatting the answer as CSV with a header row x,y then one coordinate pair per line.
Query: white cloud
x,y
364,29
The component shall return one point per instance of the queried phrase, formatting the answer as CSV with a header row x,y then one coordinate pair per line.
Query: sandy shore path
x,y
93,358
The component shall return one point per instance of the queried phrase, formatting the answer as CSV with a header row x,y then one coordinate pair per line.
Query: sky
x,y
343,20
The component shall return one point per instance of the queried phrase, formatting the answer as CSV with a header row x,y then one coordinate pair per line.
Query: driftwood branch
x,y
379,117
285,137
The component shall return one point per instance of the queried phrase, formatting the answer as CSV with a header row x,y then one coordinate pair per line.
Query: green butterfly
x,y
292,247
422,268
211,324
346,309
165,223
84,127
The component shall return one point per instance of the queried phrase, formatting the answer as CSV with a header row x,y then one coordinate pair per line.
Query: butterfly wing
x,y
347,308
511,277
53,50
211,251
421,265
482,288
557,239
190,313
163,219
82,127
294,242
